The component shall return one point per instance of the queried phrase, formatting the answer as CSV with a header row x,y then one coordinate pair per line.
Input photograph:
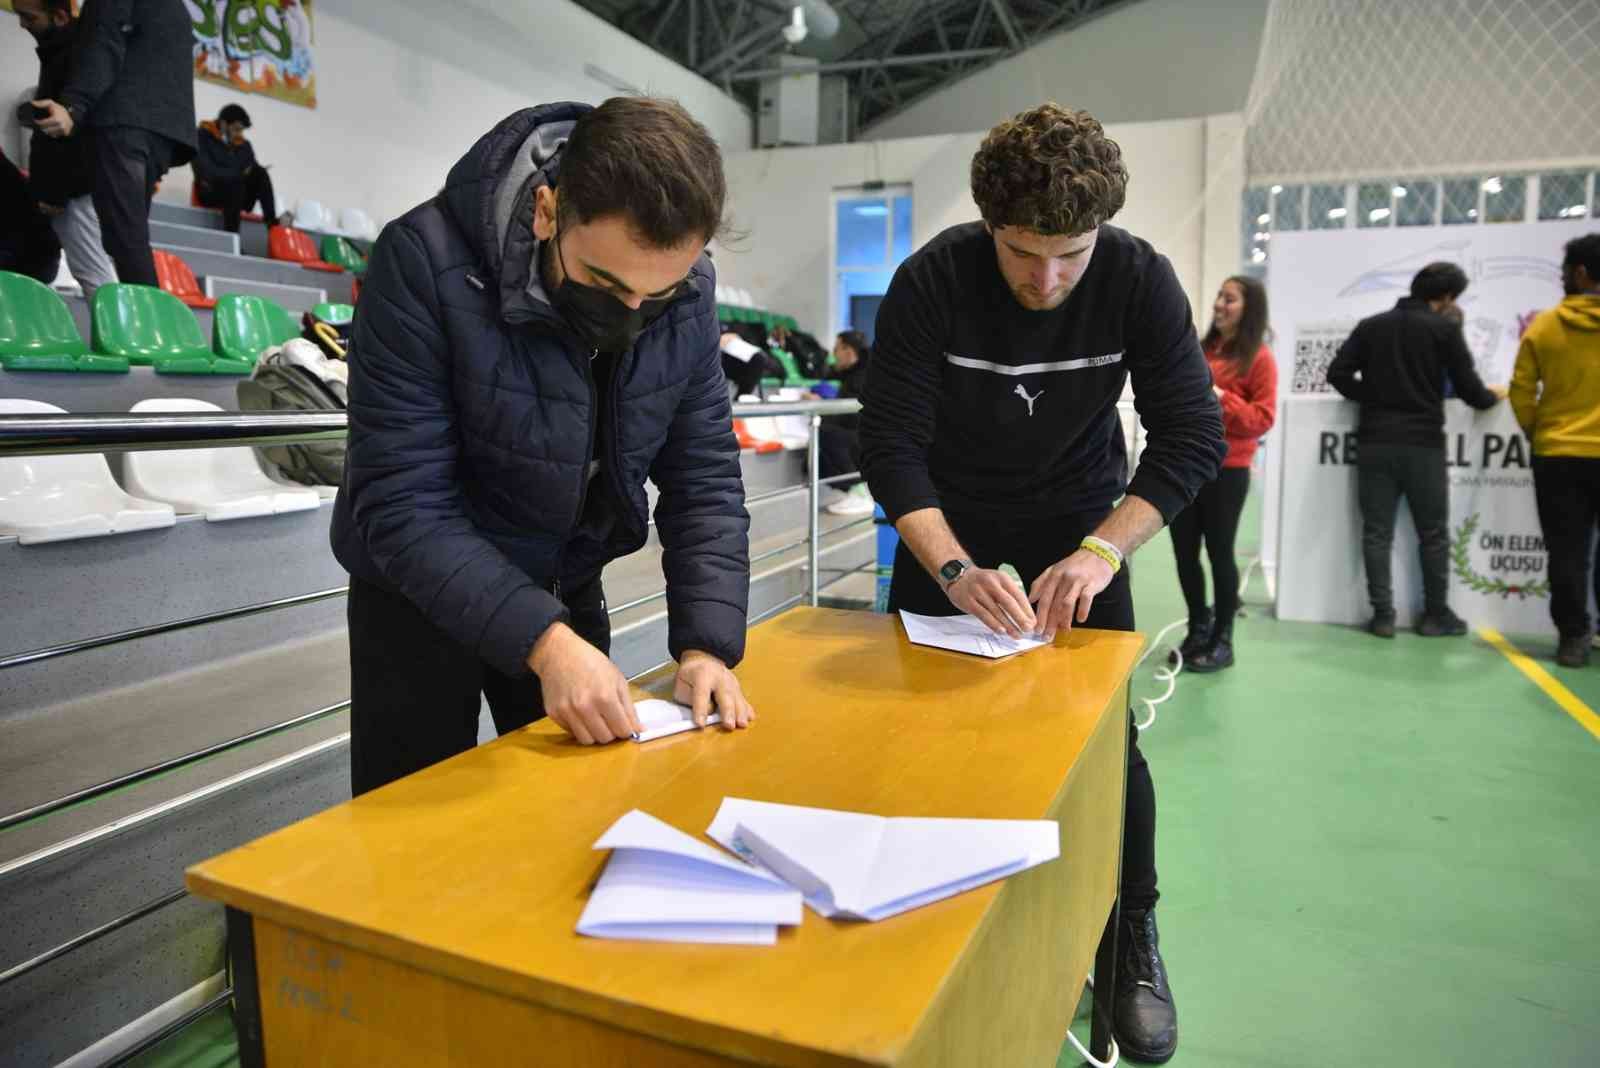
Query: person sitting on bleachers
x,y
839,448
226,174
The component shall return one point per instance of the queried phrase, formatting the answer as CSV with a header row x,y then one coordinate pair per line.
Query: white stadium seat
x,y
311,215
220,484
59,498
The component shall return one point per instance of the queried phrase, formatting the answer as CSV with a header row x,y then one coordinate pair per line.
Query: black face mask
x,y
604,322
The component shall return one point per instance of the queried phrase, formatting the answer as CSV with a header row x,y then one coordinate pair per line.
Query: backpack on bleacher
x,y
298,377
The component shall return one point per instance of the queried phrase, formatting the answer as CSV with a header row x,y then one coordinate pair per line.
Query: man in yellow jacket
x,y
1555,393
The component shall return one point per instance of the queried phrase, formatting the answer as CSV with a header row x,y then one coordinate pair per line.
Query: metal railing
x,y
38,435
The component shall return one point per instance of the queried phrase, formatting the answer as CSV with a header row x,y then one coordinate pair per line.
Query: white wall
x,y
1143,61
1186,176
404,87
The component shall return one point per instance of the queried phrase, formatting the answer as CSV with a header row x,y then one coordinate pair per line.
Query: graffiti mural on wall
x,y
257,46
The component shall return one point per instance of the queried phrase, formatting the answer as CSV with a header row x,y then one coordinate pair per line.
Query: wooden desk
x,y
432,921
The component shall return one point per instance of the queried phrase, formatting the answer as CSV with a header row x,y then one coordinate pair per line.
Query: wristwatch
x,y
953,570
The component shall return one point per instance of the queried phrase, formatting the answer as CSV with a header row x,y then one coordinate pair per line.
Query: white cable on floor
x,y
1168,677
1116,1054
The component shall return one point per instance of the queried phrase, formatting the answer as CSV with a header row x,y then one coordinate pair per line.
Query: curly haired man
x,y
990,434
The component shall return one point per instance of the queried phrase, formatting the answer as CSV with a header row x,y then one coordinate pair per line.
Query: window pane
x,y
1460,201
859,284
1325,208
1286,207
1372,204
1562,196
902,229
1505,199
1415,202
863,232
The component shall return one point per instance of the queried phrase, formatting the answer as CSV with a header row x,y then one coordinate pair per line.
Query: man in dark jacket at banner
x,y
533,344
132,91
1397,365
61,170
226,174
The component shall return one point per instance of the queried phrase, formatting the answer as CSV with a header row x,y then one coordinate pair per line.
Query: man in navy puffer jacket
x,y
531,345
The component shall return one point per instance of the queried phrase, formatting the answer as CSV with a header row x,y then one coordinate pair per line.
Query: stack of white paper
x,y
661,885
964,634
663,718
862,867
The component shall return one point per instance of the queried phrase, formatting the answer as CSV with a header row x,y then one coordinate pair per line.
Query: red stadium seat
x,y
295,246
176,278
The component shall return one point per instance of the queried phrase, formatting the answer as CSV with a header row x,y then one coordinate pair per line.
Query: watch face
x,y
952,571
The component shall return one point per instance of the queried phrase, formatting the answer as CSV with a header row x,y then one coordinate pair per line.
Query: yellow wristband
x,y
1104,551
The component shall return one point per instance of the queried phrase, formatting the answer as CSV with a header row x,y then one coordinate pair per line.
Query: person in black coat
x,y
61,170
27,244
132,88
226,174
532,344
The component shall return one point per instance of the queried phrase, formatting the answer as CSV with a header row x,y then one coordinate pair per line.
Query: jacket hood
x,y
1580,312
489,195
214,130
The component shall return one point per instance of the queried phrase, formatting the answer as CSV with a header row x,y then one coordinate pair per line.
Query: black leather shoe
x,y
1442,624
1199,636
1218,654
1382,625
1573,652
1145,1022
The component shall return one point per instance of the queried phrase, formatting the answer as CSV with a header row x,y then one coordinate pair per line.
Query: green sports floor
x,y
1371,853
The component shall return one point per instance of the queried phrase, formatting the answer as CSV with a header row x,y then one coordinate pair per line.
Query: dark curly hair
x,y
1051,170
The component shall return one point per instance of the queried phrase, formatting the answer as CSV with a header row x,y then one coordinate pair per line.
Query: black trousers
x,y
128,162
839,452
238,195
1567,490
1385,473
1213,518
414,691
1030,549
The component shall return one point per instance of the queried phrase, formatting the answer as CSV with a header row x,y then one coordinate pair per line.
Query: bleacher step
x,y
193,237
205,263
296,299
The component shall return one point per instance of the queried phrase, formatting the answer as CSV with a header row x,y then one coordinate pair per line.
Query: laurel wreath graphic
x,y
1461,555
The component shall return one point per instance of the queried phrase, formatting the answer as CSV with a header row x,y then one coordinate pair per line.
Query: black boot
x,y
1199,636
1145,1021
1218,654
1382,625
1573,651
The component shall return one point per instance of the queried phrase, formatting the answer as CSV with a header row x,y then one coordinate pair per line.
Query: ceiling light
x,y
1258,256
1492,186
1377,214
1263,219
871,209
1399,190
1277,189
1337,213
1261,235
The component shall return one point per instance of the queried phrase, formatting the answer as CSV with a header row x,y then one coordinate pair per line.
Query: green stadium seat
x,y
37,332
244,327
341,253
150,327
789,323
791,371
337,314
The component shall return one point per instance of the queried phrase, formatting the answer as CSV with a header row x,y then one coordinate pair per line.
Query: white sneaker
x,y
857,502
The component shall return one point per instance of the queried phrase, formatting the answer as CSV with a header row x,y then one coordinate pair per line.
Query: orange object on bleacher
x,y
742,432
296,246
176,278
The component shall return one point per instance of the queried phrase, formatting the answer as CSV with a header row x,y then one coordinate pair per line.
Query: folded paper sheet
x,y
856,866
964,634
662,885
661,719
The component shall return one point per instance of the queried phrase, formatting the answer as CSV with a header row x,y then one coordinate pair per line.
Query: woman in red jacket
x,y
1245,380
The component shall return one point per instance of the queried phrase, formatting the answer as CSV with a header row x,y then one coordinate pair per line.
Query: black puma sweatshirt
x,y
979,406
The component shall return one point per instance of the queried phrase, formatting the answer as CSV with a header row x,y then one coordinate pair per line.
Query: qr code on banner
x,y
1314,349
